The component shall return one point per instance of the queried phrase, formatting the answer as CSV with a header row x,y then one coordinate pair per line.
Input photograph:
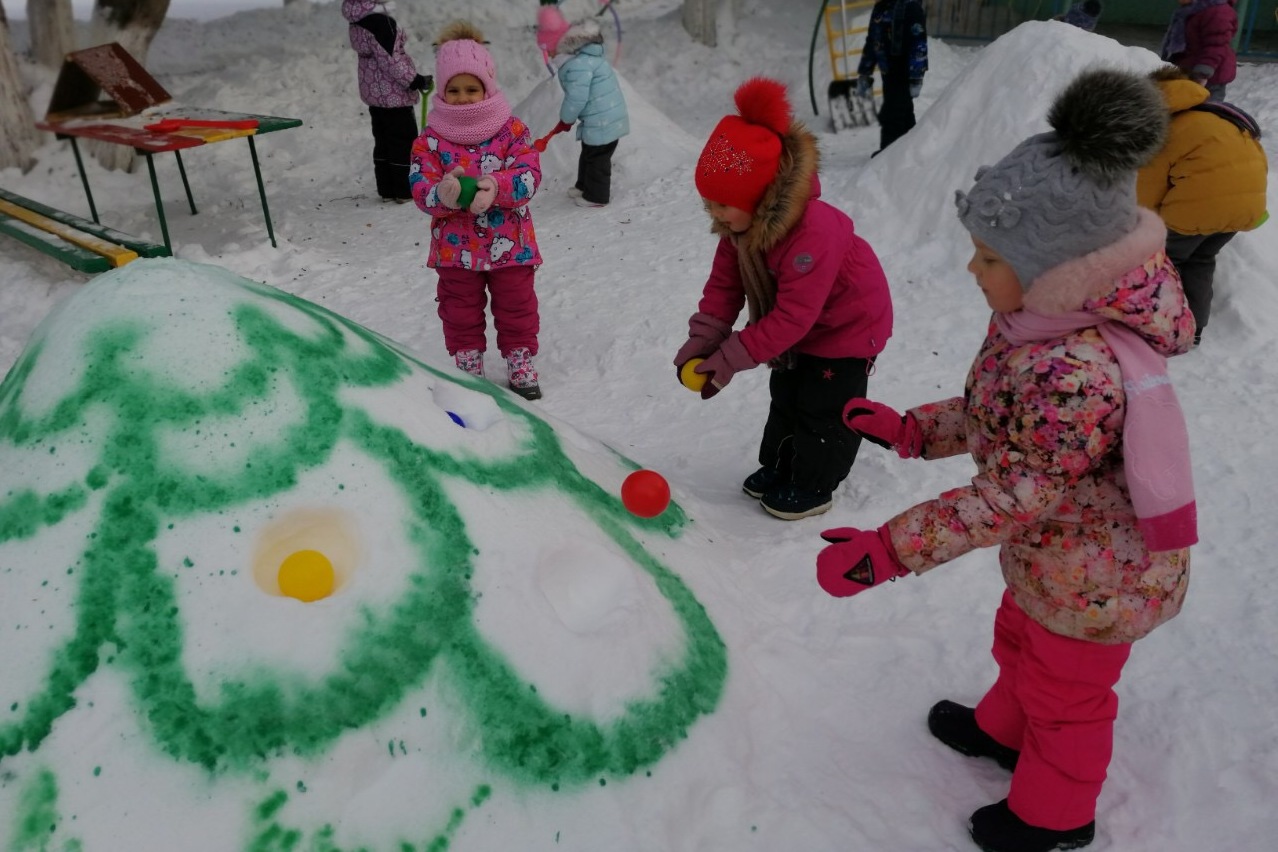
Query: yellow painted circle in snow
x,y
307,575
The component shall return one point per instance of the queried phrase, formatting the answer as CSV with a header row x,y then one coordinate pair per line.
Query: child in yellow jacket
x,y
1207,183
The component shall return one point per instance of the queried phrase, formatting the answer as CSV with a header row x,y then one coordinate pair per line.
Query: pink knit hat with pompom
x,y
460,51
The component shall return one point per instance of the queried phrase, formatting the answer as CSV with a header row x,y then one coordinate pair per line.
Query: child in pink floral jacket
x,y
474,170
1082,454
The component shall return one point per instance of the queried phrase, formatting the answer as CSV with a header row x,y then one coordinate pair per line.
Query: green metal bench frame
x,y
74,256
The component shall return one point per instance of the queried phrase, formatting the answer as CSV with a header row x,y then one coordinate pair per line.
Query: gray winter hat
x,y
1072,190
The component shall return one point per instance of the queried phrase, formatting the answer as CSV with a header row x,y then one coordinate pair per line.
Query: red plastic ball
x,y
645,493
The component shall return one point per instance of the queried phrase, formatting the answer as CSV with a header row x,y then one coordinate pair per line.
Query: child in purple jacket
x,y
819,310
474,170
390,85
1198,42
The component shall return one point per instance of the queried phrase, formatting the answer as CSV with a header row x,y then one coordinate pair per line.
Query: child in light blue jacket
x,y
592,100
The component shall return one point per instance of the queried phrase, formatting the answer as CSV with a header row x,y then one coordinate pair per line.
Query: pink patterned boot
x,y
523,375
470,361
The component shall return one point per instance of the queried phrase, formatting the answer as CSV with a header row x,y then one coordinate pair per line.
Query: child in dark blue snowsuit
x,y
896,42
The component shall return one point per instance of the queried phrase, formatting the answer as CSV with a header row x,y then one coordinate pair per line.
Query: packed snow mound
x,y
655,148
998,100
262,571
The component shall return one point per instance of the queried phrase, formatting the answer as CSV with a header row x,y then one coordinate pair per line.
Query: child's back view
x,y
1198,41
593,101
390,85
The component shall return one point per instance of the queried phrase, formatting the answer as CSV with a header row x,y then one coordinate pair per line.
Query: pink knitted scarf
x,y
1155,440
468,124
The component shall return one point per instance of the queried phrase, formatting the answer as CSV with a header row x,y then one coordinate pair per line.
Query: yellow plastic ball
x,y
690,379
307,575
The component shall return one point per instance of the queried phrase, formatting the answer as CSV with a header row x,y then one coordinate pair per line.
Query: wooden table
x,y
148,143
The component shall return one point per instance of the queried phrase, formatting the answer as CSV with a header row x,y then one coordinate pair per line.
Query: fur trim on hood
x,y
787,196
578,36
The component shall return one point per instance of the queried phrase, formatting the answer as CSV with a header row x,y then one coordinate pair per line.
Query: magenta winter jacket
x,y
503,236
832,297
1207,44
1044,423
384,78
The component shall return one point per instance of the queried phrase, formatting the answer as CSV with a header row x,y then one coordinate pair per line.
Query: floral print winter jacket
x,y
1044,423
503,236
384,75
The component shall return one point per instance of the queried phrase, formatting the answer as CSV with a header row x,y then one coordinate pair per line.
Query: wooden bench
x,y
79,243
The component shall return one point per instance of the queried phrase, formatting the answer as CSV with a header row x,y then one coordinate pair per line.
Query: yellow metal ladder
x,y
838,33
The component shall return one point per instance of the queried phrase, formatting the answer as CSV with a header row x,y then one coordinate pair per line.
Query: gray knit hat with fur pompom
x,y
1071,191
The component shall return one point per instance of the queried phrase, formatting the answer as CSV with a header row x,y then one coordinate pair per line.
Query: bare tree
x,y
52,36
699,20
18,137
133,24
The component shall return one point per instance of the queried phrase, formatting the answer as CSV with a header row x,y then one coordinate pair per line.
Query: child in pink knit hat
x,y
474,170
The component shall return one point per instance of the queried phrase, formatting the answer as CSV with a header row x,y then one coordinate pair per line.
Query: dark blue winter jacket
x,y
896,41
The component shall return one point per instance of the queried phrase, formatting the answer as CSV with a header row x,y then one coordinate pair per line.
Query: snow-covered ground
x,y
816,739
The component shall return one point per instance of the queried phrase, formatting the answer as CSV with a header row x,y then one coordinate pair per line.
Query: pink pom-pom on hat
x,y
741,159
460,51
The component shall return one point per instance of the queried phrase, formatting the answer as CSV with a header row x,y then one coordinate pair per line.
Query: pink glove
x,y
857,560
449,189
729,359
485,195
705,333
882,425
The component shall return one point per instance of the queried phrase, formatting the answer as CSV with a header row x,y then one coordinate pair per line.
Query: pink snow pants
x,y
462,295
1054,701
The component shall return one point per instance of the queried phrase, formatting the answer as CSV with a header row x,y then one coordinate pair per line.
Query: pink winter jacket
x,y
503,236
1044,424
832,298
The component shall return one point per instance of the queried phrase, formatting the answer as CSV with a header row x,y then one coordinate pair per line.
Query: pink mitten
x,y
705,333
730,359
857,560
449,188
485,195
880,424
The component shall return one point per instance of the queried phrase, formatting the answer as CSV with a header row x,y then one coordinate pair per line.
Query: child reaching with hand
x,y
593,101
474,170
819,310
1083,476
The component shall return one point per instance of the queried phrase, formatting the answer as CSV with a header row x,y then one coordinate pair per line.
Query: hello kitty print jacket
x,y
503,236
1044,423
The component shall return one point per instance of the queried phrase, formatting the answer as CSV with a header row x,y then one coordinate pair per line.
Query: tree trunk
x,y
133,24
698,20
52,36
18,137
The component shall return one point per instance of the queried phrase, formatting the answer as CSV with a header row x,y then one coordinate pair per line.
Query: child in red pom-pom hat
x,y
819,310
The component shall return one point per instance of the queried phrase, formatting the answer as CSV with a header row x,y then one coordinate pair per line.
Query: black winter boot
x,y
761,482
996,829
955,725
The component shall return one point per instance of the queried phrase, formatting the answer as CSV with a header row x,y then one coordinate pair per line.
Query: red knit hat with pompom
x,y
740,161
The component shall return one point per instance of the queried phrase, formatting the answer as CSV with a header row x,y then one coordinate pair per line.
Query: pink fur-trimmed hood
x,y
1130,281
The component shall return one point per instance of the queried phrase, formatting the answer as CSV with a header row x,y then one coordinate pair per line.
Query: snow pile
x,y
172,437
